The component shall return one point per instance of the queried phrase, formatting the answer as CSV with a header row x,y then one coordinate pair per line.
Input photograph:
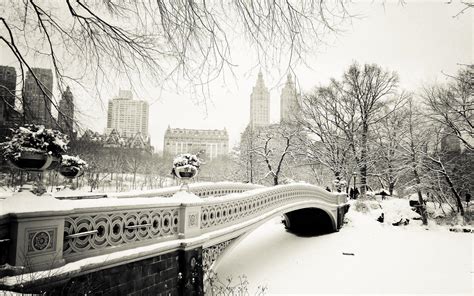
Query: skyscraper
x,y
128,116
288,101
37,97
259,104
66,113
7,92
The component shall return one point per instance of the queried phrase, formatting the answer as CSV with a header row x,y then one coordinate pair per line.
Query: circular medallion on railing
x,y
40,241
101,224
144,222
82,243
204,217
116,230
155,224
130,232
166,223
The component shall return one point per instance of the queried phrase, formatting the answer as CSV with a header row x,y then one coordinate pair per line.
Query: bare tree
x,y
453,105
273,145
327,128
388,134
100,40
415,148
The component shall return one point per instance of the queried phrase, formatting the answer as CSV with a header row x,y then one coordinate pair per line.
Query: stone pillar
x,y
191,273
36,241
190,224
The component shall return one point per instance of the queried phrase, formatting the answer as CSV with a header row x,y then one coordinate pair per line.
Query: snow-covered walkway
x,y
386,260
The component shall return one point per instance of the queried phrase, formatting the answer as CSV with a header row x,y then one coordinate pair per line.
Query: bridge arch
x,y
222,242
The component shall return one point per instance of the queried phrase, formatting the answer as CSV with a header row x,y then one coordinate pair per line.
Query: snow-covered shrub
x,y
73,161
37,139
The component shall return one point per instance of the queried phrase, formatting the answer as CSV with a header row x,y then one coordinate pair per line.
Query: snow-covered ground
x,y
386,260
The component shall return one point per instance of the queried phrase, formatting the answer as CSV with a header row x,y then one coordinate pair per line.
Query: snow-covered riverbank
x,y
386,260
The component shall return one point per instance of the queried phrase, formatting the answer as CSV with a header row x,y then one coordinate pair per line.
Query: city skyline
x,y
416,29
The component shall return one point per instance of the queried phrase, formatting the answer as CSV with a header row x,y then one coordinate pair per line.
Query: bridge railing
x,y
199,189
76,229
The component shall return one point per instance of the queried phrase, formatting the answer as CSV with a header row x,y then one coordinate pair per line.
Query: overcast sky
x,y
418,40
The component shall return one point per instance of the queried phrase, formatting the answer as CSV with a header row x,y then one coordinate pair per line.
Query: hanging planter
x,y
72,167
35,148
186,166
34,161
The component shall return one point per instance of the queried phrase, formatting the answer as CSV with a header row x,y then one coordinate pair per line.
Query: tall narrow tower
x,y
37,96
260,104
7,92
66,112
288,101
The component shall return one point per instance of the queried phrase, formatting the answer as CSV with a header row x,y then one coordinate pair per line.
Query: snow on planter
x,y
72,166
34,147
186,165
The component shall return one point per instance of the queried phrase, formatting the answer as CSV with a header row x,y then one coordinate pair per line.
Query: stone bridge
x,y
146,245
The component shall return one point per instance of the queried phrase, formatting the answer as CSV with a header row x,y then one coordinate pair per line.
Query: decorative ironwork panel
x,y
210,254
104,230
230,212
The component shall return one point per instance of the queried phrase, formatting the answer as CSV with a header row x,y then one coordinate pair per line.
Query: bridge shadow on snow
x,y
308,222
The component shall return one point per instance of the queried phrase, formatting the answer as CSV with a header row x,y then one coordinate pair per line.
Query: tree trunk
x,y
391,187
424,217
454,191
363,161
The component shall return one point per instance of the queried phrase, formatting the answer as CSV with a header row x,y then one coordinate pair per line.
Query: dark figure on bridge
x,y
328,189
351,193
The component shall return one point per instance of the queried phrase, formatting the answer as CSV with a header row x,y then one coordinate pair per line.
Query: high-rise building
x,y
209,143
66,113
128,116
7,92
288,101
37,96
260,104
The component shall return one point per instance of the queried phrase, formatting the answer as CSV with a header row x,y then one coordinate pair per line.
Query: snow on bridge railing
x,y
219,212
48,232
200,189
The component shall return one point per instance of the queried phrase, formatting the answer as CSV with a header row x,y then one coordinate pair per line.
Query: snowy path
x,y
387,260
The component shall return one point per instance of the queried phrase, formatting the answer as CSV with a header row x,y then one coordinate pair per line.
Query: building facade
x,y
37,96
209,143
66,113
288,101
7,92
260,104
128,116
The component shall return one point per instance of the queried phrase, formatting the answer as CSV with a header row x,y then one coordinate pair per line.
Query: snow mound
x,y
398,209
25,202
359,219
184,196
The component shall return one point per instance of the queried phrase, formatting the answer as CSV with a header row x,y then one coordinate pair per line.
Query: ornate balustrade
x,y
199,189
81,229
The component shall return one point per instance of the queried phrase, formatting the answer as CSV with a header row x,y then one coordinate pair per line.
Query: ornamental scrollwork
x,y
210,254
111,229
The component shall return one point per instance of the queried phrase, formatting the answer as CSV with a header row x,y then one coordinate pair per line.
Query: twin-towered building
x,y
260,103
214,143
